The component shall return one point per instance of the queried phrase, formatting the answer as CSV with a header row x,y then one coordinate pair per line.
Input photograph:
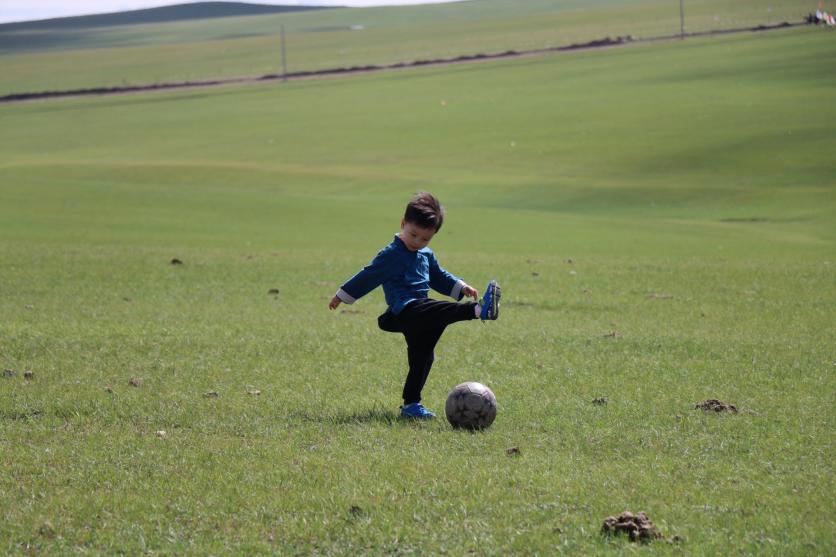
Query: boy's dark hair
x,y
424,210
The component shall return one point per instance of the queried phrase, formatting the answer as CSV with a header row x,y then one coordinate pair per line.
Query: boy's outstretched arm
x,y
370,277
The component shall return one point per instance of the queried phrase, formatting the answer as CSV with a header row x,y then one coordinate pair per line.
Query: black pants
x,y
422,322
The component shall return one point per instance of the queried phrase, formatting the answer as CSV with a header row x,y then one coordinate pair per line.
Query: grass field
x,y
39,59
678,195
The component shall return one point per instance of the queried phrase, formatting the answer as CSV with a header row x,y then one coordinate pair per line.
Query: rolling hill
x,y
163,14
80,55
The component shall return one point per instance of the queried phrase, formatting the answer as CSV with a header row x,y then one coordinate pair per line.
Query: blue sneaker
x,y
490,302
416,411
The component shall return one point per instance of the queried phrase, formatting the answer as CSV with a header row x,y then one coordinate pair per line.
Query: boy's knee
x,y
388,322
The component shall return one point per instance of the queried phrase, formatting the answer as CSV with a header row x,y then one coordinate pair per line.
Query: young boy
x,y
407,269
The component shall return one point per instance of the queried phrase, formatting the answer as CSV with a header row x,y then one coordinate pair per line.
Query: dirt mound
x,y
712,404
637,526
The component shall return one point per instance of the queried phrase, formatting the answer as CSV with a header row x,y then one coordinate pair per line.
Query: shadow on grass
x,y
20,416
375,415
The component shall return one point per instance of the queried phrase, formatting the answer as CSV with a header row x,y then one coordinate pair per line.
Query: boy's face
x,y
415,237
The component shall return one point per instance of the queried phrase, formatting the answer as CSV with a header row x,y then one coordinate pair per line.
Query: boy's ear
x,y
403,222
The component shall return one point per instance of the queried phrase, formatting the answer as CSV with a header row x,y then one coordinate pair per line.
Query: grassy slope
x,y
250,46
630,162
162,14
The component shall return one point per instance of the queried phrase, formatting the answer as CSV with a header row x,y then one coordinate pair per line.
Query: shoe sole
x,y
496,294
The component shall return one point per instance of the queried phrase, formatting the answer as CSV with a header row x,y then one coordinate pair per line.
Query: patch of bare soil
x,y
714,405
637,526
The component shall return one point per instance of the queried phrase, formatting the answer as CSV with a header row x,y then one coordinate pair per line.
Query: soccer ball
x,y
470,405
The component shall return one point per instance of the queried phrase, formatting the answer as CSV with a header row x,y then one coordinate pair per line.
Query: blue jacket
x,y
405,275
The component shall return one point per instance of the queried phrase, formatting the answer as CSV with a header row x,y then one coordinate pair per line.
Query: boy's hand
x,y
470,292
335,301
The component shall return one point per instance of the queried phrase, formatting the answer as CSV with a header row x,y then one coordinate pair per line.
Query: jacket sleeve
x,y
370,277
443,282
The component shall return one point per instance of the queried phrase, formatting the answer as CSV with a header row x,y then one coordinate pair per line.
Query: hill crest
x,y
161,14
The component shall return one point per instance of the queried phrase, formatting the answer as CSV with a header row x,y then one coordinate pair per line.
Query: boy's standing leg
x,y
420,350
422,323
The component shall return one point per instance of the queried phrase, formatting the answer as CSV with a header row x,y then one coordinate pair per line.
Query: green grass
x,y
690,184
36,60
